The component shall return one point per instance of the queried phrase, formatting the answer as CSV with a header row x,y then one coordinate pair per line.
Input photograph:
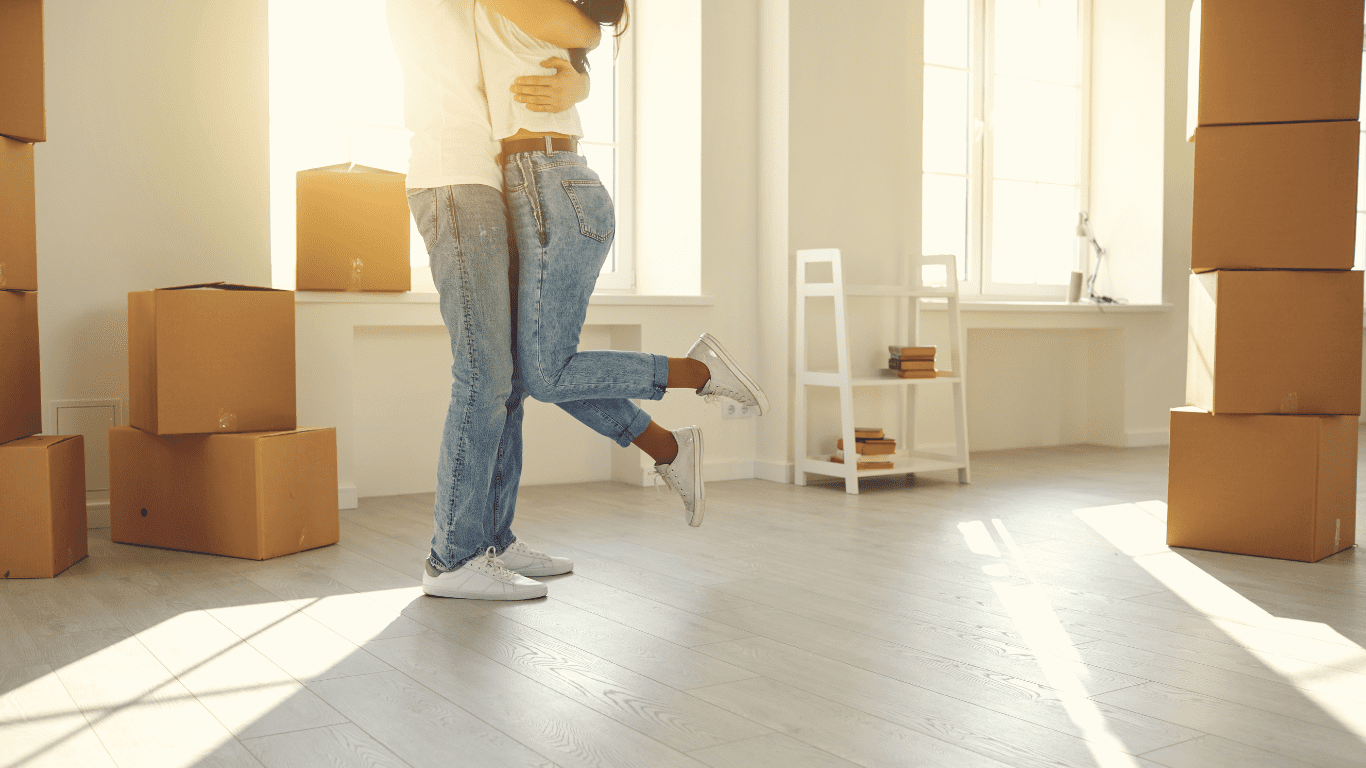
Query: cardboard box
x,y
257,496
18,226
211,358
1272,486
42,493
1275,342
352,230
1274,61
21,409
21,70
1275,196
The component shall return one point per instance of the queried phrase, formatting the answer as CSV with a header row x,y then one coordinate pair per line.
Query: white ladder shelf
x,y
909,295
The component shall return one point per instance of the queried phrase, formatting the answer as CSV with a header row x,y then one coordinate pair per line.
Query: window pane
x,y
1033,233
595,112
946,120
1037,39
308,65
373,67
944,218
946,32
1360,261
1034,128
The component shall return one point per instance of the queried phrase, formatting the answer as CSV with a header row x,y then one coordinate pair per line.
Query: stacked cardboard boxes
x,y
42,479
352,230
213,460
1263,459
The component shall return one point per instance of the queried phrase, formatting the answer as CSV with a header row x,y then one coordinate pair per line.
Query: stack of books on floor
x,y
912,362
42,477
872,446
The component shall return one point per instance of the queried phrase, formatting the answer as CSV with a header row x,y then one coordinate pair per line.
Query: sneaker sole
x,y
739,372
699,501
545,571
438,592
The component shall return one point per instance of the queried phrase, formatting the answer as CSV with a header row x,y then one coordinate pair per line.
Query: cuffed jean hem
x,y
661,378
635,430
499,548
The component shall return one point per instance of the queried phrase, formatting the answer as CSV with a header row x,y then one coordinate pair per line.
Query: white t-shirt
x,y
506,53
443,94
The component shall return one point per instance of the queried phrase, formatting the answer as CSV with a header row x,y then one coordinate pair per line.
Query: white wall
x,y
154,173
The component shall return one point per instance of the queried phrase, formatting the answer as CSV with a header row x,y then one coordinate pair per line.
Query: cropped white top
x,y
506,53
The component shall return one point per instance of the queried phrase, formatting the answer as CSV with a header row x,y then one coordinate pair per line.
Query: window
x,y
1005,142
336,96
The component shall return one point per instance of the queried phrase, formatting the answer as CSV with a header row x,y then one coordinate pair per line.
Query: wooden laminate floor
x,y
1033,618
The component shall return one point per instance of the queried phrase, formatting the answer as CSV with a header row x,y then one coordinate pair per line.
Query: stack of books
x,y
912,362
872,446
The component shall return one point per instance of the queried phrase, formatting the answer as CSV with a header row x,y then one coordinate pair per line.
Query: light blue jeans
x,y
475,267
563,223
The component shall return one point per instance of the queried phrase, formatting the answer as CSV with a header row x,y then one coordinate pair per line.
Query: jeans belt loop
x,y
549,149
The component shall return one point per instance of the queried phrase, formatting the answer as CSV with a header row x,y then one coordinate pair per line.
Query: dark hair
x,y
608,13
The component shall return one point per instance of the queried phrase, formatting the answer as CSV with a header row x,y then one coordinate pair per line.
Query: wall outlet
x,y
733,410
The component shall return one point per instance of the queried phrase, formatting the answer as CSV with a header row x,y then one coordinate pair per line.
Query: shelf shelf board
x,y
904,466
874,377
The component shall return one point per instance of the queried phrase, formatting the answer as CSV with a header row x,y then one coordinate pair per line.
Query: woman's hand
x,y
551,93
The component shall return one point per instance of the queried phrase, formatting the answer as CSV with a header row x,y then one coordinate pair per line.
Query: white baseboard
x,y
712,472
347,498
774,471
1146,438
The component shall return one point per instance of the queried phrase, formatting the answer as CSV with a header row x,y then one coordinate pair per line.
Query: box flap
x,y
349,168
37,442
222,286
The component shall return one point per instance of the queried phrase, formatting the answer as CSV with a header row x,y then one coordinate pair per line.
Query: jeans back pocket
x,y
592,204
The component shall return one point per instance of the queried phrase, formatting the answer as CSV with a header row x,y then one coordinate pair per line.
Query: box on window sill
x,y
254,495
42,494
1275,196
352,230
1275,342
211,358
1271,486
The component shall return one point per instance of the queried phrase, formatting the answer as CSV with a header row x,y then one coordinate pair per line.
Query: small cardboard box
x,y
1272,486
21,408
18,226
21,70
1274,61
42,493
1275,196
211,358
352,230
256,495
1275,342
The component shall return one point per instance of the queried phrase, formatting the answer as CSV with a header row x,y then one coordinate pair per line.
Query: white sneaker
x,y
519,558
483,578
684,475
727,380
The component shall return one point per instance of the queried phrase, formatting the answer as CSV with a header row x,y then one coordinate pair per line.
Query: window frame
x,y
621,277
981,77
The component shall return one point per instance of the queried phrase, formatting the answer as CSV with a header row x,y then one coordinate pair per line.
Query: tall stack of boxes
x,y
42,477
213,460
1264,458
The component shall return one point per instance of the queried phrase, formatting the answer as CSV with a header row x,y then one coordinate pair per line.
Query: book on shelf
x,y
838,458
911,353
870,447
897,364
930,374
868,433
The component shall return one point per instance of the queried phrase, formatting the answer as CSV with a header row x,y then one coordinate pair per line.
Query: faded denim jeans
x,y
474,264
563,222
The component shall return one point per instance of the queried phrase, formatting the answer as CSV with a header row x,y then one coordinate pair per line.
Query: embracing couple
x,y
517,228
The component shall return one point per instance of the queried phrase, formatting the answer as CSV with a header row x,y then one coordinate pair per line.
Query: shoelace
x,y
523,549
494,566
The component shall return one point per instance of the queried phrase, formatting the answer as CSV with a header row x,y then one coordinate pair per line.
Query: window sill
x,y
1083,308
431,297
